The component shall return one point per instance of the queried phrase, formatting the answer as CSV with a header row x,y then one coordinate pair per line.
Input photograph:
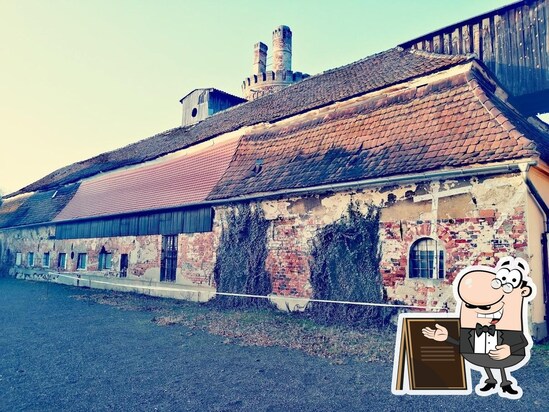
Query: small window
x,y
105,260
18,258
62,261
46,260
194,112
82,262
426,259
30,259
258,166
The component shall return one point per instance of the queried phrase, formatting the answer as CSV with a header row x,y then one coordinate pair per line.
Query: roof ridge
x,y
467,56
397,48
387,68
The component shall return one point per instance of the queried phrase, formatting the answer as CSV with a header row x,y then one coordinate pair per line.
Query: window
x,y
18,258
46,260
426,259
62,261
105,260
30,259
168,262
82,262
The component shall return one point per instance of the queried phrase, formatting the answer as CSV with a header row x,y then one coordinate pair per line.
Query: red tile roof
x,y
451,123
168,183
372,73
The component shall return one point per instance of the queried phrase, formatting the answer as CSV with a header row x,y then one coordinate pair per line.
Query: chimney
x,y
282,49
260,58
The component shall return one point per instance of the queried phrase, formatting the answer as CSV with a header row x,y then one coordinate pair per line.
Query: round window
x,y
194,112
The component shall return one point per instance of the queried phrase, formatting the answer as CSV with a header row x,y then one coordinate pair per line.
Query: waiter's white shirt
x,y
485,342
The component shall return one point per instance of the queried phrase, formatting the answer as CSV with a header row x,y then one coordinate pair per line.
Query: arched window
x,y
426,259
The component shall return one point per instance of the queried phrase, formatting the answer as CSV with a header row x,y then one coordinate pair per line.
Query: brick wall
x,y
465,241
288,257
196,254
476,227
196,257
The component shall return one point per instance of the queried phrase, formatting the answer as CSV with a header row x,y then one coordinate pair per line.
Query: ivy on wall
x,y
6,259
345,261
241,255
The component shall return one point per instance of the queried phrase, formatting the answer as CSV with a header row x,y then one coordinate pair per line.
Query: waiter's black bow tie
x,y
481,329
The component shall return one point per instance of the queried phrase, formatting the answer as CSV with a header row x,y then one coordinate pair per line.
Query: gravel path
x,y
58,353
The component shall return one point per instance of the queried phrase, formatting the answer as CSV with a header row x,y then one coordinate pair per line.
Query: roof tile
x,y
415,139
169,183
372,73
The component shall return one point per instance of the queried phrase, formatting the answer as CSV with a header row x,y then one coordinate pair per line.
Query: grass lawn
x,y
260,327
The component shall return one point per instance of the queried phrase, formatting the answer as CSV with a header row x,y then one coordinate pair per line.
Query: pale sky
x,y
78,78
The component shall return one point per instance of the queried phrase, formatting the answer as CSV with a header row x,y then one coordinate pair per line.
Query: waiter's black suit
x,y
515,339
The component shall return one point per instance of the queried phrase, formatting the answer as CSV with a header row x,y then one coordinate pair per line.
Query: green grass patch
x,y
260,327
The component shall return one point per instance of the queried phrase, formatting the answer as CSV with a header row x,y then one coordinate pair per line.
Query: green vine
x,y
345,261
241,255
4,260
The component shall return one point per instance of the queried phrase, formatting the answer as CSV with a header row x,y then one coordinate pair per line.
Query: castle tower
x,y
263,81
282,49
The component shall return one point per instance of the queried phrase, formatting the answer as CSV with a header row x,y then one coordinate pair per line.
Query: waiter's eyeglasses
x,y
507,279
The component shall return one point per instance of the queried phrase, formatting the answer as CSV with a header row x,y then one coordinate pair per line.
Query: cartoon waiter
x,y
493,319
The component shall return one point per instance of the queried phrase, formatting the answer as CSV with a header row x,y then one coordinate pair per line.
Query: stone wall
x,y
475,220
196,254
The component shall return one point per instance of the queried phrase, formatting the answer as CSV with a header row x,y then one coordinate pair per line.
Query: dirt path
x,y
61,353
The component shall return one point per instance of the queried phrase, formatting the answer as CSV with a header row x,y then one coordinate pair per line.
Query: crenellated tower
x,y
282,49
263,81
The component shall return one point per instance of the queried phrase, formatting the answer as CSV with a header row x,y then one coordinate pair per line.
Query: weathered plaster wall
x,y
475,220
196,257
37,240
196,254
143,251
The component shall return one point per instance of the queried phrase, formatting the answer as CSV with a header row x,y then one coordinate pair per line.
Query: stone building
x,y
461,176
